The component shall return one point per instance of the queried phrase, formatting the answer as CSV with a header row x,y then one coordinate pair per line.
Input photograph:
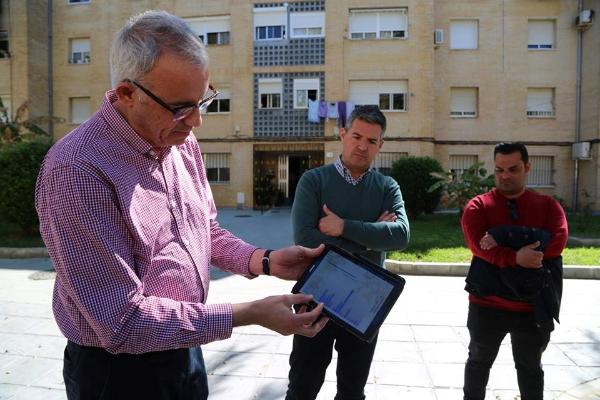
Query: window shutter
x,y
463,34
540,99
271,16
270,85
363,22
307,20
364,92
541,33
80,45
463,100
80,109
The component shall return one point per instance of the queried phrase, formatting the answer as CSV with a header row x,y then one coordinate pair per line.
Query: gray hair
x,y
370,114
147,36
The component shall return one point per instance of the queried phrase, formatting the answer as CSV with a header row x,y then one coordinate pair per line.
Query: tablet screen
x,y
349,291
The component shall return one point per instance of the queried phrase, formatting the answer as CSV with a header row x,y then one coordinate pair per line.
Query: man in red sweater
x,y
493,315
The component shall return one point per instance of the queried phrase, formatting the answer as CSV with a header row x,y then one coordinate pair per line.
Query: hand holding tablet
x,y
358,295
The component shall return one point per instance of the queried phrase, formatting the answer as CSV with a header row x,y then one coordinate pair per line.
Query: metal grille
x,y
542,170
217,167
384,160
460,162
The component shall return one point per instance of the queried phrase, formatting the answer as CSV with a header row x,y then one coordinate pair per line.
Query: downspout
x,y
575,196
50,73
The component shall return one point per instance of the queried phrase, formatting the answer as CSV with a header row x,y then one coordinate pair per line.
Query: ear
x,y
343,133
380,143
124,92
527,167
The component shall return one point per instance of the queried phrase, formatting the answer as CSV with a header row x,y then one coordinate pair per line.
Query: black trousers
x,y
92,373
311,356
488,327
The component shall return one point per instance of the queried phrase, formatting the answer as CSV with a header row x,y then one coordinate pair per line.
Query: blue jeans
x,y
92,373
311,356
487,327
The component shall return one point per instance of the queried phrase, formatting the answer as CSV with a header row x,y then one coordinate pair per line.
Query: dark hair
x,y
370,114
512,147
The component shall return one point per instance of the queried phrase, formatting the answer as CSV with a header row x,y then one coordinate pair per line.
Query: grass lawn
x,y
439,238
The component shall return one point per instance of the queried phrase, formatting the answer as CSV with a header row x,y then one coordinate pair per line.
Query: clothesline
x,y
339,110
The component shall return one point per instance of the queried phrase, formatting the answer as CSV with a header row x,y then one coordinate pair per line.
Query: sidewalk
x,y
420,354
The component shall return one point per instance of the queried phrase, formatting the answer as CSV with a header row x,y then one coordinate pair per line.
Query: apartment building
x,y
452,77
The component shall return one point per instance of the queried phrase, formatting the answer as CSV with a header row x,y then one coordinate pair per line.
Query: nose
x,y
193,119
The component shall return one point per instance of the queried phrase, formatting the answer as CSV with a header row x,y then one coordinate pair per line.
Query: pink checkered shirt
x,y
132,234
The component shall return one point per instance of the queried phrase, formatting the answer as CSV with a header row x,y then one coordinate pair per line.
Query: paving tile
x,y
36,393
394,392
402,374
395,332
446,375
407,352
563,377
424,333
26,370
443,352
582,354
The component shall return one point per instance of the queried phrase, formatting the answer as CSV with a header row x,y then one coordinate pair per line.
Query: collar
x,y
120,125
345,172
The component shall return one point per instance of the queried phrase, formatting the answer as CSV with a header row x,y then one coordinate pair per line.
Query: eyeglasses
x,y
513,211
184,111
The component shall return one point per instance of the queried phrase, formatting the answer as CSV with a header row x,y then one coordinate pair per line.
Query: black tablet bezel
x,y
396,281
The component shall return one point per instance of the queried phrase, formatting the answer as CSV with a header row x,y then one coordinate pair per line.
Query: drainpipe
x,y
575,197
50,73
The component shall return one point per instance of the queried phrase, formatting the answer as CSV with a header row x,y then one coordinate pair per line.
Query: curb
x,y
397,267
23,252
461,269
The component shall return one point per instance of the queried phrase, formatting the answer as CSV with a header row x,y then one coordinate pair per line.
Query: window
x,y
463,102
5,115
542,169
213,31
388,95
81,109
269,92
541,34
221,103
384,160
4,53
460,162
540,102
307,24
217,167
379,24
464,34
80,51
78,1
305,89
270,23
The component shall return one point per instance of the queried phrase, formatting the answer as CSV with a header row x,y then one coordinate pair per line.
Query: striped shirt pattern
x,y
132,233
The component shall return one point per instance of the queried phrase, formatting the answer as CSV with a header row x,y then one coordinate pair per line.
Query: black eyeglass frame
x,y
184,111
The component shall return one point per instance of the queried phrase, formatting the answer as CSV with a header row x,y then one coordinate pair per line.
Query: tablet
x,y
357,294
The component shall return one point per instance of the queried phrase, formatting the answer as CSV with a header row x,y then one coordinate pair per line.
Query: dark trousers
x,y
487,327
92,373
311,356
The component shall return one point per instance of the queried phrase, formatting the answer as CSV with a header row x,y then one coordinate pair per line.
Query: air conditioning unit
x,y
582,151
585,18
438,36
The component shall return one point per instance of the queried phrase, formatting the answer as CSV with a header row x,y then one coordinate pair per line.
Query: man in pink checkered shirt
x,y
129,220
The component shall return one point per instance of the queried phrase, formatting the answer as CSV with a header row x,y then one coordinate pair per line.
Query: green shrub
x,y
413,174
459,190
19,166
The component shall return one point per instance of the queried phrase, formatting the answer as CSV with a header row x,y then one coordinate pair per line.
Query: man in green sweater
x,y
352,206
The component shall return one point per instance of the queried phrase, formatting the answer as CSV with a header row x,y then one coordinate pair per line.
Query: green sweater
x,y
359,206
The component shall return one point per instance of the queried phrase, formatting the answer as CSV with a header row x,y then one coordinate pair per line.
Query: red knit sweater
x,y
489,210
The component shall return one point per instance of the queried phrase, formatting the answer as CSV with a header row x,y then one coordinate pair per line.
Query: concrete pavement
x,y
420,354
